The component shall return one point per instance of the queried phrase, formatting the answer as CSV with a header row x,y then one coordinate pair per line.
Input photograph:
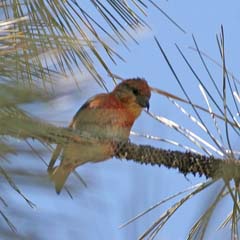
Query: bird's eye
x,y
135,91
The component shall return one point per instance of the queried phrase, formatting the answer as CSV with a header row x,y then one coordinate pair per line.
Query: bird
x,y
105,116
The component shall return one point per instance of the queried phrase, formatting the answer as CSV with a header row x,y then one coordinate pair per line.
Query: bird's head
x,y
134,93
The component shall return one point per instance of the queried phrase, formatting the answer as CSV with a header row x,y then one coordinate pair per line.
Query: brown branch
x,y
185,162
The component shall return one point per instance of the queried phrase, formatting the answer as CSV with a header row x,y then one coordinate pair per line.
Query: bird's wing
x,y
85,114
78,120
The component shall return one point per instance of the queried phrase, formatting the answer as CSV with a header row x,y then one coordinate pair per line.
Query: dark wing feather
x,y
92,103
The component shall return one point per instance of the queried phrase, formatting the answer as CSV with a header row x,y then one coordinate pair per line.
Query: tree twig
x,y
185,162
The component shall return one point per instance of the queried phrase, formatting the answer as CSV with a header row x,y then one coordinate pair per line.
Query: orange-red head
x,y
134,93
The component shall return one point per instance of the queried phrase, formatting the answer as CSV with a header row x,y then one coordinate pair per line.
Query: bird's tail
x,y
59,176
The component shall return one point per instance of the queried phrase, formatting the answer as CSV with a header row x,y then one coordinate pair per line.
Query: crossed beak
x,y
144,102
147,106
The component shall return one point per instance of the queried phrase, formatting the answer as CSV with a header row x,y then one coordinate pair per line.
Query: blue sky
x,y
118,190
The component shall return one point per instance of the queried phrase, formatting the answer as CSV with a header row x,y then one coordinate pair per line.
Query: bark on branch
x,y
185,162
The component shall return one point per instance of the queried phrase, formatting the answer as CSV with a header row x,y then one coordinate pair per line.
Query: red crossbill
x,y
106,116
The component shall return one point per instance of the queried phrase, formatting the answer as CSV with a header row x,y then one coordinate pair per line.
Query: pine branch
x,y
185,162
